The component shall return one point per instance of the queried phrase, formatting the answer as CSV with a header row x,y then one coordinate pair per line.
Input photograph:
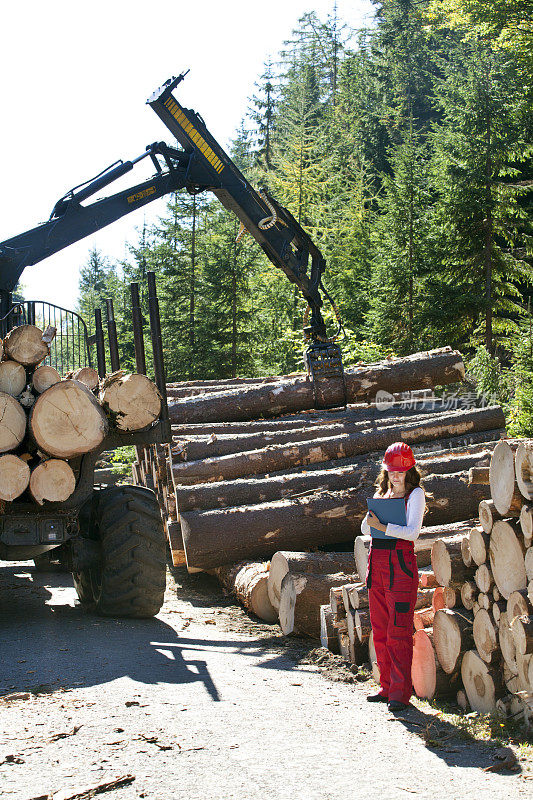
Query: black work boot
x,y
377,698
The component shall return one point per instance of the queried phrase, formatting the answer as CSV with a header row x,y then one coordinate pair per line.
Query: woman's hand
x,y
374,522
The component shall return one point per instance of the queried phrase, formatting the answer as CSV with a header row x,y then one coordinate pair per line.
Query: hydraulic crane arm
x,y
281,237
201,165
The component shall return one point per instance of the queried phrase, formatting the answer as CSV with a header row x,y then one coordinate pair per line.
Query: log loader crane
x,y
84,529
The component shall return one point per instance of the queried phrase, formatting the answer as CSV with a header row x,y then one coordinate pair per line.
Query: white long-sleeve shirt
x,y
416,503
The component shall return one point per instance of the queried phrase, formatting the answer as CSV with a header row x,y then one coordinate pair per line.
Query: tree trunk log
x,y
427,579
176,544
506,555
420,370
452,636
133,400
280,457
483,578
483,683
67,420
485,635
44,377
25,345
301,598
504,491
469,592
228,535
466,555
300,563
12,423
447,563
488,515
14,477
479,545
88,376
506,641
429,679
53,481
363,471
526,523
522,628
518,604
524,469
499,607
12,378
528,563
248,583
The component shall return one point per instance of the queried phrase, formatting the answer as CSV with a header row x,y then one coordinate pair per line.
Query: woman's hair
x,y
413,478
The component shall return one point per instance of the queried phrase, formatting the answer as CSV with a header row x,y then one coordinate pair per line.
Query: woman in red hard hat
x,y
392,576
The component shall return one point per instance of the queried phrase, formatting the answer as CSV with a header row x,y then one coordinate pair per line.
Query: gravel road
x,y
202,703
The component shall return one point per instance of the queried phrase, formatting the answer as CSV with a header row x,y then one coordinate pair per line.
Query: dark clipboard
x,y
387,509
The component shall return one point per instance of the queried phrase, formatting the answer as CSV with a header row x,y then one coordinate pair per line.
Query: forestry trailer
x,y
112,539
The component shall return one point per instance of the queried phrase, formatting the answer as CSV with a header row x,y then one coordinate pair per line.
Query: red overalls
x,y
392,581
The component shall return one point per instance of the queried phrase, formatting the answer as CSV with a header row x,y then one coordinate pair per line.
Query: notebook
x,y
390,509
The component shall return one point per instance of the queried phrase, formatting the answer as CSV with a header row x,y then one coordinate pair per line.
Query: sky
x,y
74,81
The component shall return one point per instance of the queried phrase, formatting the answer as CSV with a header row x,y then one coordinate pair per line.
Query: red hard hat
x,y
398,457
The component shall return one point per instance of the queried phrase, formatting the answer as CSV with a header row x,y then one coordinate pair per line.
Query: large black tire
x,y
130,581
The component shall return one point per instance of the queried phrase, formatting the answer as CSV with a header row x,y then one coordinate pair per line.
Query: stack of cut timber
x,y
47,422
486,647
243,488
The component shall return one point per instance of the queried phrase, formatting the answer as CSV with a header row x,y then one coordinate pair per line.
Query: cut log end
x,y
14,477
52,481
12,423
25,344
44,377
133,399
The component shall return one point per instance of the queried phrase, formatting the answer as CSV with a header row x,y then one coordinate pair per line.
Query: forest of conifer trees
x,y
406,151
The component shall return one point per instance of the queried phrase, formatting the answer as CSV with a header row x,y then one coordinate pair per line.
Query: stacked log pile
x,y
48,422
264,471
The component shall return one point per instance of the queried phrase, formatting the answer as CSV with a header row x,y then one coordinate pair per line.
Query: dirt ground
x,y
204,703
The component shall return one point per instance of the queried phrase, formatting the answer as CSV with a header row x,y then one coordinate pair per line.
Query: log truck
x,y
112,539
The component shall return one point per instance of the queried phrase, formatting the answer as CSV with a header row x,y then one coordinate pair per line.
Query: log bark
x,y
328,634
485,635
479,545
452,637
420,370
12,423
25,344
482,683
53,481
352,413
133,400
429,679
363,471
248,583
488,515
298,563
301,598
14,477
280,457
12,378
228,535
524,469
67,420
447,563
479,475
44,377
504,491
506,555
